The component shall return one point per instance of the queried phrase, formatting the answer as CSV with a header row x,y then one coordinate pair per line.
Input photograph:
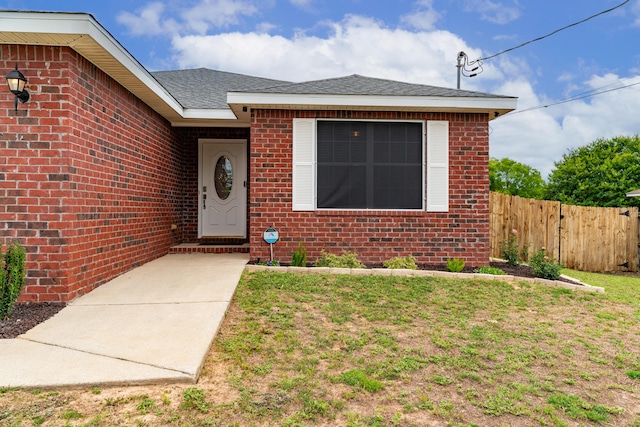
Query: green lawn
x,y
314,350
623,288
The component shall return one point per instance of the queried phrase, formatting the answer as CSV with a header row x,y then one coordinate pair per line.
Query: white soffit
x,y
491,105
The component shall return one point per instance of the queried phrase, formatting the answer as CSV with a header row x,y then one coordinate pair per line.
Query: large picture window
x,y
340,164
369,165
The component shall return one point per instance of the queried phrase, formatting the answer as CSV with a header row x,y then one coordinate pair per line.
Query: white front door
x,y
223,188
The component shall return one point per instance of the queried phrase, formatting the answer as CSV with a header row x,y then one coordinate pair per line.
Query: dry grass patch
x,y
314,350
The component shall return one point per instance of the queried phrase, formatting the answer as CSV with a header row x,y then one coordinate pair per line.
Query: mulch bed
x,y
520,270
26,316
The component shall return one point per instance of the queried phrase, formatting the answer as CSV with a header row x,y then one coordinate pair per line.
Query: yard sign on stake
x,y
271,236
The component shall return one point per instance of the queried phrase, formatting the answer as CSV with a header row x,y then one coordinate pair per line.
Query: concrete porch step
x,y
187,248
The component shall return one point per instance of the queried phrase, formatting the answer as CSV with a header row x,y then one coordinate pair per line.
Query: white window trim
x,y
435,143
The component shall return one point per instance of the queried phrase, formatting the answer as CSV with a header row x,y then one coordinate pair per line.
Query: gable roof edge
x,y
82,33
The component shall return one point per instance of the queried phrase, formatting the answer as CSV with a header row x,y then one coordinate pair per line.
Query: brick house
x,y
108,166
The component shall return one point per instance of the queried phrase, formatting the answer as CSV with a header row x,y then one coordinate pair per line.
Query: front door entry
x,y
223,188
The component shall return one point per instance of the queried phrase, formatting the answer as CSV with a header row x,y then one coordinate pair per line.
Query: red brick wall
x,y
90,176
431,238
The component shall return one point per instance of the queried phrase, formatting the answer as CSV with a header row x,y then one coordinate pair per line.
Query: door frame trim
x,y
201,143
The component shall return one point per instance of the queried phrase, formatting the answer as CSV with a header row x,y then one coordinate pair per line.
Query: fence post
x,y
560,218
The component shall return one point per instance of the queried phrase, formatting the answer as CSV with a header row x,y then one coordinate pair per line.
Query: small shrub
x,y
544,266
346,260
455,265
489,270
12,275
269,263
512,252
299,257
408,262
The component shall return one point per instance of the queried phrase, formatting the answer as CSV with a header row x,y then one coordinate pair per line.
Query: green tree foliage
x,y
598,174
510,177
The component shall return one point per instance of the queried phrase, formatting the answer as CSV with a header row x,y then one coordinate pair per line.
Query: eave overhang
x,y
82,33
493,106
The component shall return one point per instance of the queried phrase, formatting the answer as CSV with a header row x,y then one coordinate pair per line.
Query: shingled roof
x,y
361,85
205,88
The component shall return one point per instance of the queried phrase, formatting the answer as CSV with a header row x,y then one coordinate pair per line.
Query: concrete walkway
x,y
152,324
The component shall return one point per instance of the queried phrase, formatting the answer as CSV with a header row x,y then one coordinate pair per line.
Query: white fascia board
x,y
461,103
219,114
82,24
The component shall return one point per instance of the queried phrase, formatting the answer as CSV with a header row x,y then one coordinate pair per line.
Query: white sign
x,y
270,235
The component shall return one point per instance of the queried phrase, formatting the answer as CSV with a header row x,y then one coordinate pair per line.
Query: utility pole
x,y
461,56
463,61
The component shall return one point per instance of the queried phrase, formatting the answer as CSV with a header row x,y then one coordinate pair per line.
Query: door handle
x,y
204,201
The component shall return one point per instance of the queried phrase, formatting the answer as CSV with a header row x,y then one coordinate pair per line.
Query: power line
x,y
576,98
555,32
473,68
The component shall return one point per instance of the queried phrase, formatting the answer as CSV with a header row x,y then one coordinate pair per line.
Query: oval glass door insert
x,y
223,177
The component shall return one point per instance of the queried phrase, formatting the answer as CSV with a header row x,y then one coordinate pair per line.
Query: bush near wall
x,y
12,275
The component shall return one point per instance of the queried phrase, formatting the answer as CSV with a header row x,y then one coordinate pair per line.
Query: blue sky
x,y
409,40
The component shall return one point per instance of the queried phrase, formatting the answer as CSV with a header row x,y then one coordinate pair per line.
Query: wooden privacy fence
x,y
580,237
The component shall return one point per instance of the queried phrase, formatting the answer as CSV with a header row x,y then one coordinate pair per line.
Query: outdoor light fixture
x,y
16,82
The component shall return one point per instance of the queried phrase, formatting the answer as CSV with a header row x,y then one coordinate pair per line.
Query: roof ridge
x,y
357,84
218,71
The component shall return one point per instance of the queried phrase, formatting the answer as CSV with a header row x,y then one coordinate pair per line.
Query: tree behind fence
x,y
582,238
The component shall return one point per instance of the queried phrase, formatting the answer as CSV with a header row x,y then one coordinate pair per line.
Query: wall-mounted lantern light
x,y
16,82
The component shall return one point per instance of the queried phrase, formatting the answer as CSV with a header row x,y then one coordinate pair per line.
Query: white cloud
x,y
154,18
533,138
423,17
540,137
265,27
216,13
503,37
635,9
420,57
498,13
302,4
148,21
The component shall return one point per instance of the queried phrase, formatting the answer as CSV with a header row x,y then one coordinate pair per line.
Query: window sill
x,y
368,212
